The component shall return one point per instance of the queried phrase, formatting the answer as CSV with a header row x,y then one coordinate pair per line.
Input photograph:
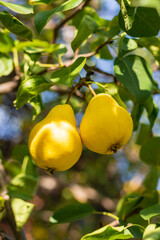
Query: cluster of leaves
x,y
133,34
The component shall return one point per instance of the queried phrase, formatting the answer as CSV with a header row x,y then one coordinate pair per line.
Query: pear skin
x,y
55,143
105,126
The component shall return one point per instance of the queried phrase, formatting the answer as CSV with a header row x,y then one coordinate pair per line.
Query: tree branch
x,y
95,69
8,87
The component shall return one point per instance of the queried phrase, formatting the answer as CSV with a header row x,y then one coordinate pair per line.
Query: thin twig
x,y
64,90
114,223
71,93
91,89
95,69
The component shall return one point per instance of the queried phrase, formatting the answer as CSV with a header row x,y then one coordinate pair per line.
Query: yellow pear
x,y
55,143
105,126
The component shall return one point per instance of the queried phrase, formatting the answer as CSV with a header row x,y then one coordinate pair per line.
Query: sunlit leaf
x,y
66,75
29,88
37,105
150,212
22,211
152,44
34,2
147,3
22,186
21,9
6,42
151,232
112,89
136,75
109,233
127,14
6,64
1,204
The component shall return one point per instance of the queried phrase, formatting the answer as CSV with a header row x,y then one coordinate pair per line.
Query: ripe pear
x,y
105,126
55,143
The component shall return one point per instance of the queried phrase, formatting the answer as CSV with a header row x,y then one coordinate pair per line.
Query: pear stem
x,y
91,89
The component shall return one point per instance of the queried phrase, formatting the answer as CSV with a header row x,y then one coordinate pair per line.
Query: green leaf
x,y
147,3
150,151
152,44
145,22
21,9
143,133
136,75
34,53
131,202
126,45
112,89
151,109
15,26
35,43
127,14
150,212
150,181
30,88
37,105
43,17
71,212
109,28
105,53
6,43
66,75
29,168
22,211
34,2
6,64
19,152
136,115
22,186
109,233
57,49
2,201
128,204
136,230
151,233
33,50
86,28
86,11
